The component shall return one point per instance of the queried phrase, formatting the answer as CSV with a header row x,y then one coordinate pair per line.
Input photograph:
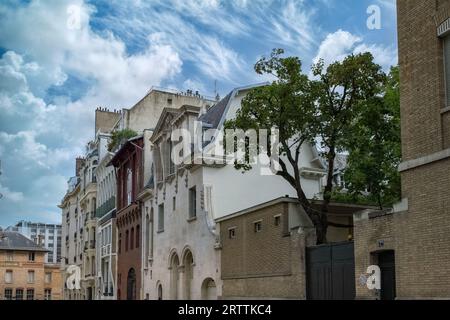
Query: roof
x,y
127,145
11,240
215,113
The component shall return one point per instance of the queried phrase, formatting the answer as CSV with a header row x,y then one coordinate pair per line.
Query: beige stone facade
x,y
418,230
45,284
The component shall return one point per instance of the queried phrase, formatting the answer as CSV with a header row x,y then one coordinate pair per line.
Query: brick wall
x,y
420,236
265,264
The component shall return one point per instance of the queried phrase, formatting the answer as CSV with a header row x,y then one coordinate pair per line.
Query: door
x,y
330,272
386,262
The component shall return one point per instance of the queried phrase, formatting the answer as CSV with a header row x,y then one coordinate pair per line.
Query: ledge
x,y
411,164
191,219
445,110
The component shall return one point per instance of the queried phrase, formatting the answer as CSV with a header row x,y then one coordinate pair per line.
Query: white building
x,y
181,244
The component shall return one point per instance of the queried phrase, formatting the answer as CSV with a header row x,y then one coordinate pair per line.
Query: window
x,y
232,233
129,185
126,240
257,226
48,294
31,256
8,276
30,276
120,243
9,255
132,239
192,202
161,217
48,277
30,294
174,203
171,163
277,220
8,294
19,294
447,68
138,230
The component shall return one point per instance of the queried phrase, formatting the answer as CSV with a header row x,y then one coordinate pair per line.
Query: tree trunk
x,y
323,216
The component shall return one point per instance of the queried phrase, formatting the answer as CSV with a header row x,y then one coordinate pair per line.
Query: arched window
x,y
126,240
132,239
138,230
160,292
131,285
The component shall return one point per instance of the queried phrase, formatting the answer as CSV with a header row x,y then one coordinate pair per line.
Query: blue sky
x,y
54,72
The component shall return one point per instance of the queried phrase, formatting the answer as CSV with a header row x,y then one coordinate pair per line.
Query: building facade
x,y
47,235
72,222
128,162
410,244
24,274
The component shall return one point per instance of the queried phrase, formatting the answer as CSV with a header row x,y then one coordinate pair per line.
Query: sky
x,y
60,60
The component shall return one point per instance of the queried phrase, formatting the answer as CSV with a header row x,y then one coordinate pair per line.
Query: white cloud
x,y
39,140
10,195
336,46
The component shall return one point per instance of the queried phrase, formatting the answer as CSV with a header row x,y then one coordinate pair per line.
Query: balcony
x,y
89,244
106,207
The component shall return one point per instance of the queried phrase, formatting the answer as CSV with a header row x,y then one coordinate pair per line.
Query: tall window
x,y
126,240
9,255
447,68
8,294
161,217
8,276
31,256
192,202
171,163
120,243
129,185
19,294
132,239
48,277
138,230
30,294
48,294
30,276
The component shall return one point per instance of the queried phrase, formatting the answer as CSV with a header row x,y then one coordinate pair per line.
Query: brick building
x,y
411,243
24,275
129,166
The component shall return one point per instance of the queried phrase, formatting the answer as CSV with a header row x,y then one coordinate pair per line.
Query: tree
x,y
340,92
117,137
374,148
303,110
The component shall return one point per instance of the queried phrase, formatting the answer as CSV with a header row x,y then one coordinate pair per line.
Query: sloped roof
x,y
11,240
215,113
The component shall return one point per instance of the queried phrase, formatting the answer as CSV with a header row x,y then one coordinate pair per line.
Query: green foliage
x,y
119,137
303,110
374,146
